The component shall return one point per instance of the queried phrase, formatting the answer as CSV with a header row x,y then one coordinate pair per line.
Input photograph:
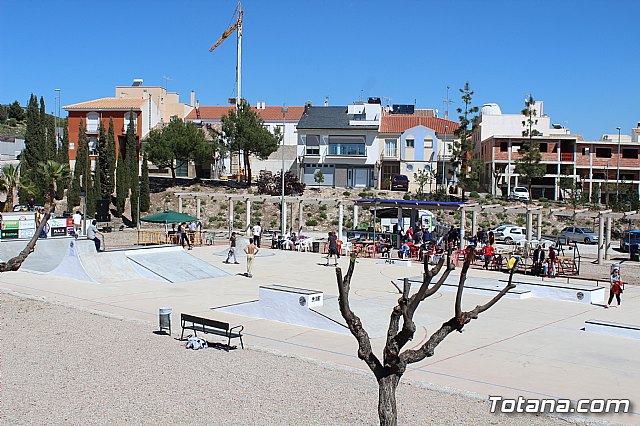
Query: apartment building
x,y
499,138
285,119
411,142
340,144
606,165
151,106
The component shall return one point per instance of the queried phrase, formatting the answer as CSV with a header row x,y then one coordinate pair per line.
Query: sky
x,y
579,57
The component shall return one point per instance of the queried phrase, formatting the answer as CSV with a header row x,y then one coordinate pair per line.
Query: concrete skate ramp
x,y
289,305
173,264
46,256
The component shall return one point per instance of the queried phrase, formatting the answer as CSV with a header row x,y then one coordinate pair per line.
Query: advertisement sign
x,y
26,233
9,234
58,223
58,232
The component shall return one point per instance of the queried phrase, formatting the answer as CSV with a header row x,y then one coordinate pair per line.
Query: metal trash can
x,y
164,319
316,246
634,252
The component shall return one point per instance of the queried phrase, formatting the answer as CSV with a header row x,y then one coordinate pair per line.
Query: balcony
x,y
566,156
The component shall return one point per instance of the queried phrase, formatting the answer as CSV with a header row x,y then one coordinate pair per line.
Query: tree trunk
x,y
173,175
247,166
387,411
14,263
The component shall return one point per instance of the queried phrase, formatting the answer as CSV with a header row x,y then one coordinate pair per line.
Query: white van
x,y
519,193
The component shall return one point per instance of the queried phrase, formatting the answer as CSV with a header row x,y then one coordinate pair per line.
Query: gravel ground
x,y
64,365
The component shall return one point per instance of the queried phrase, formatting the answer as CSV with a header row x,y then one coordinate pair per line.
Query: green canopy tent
x,y
168,217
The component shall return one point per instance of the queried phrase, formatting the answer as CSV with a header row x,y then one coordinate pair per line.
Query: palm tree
x,y
51,173
8,183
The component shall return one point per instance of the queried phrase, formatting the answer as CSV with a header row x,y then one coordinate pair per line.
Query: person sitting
x,y
403,251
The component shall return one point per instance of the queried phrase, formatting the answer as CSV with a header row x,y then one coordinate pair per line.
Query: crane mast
x,y
236,26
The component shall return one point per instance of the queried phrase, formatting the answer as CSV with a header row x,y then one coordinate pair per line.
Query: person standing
x,y
251,250
615,288
92,234
257,234
183,235
77,223
333,248
487,252
232,249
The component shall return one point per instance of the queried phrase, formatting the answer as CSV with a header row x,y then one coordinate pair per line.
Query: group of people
x,y
250,250
545,267
182,232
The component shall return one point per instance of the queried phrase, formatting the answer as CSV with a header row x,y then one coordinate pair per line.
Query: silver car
x,y
579,235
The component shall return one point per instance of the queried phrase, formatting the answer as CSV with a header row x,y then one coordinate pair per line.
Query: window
x,y
410,143
630,153
409,167
603,152
313,145
353,146
72,145
428,142
504,146
126,120
390,147
183,169
93,120
543,147
93,146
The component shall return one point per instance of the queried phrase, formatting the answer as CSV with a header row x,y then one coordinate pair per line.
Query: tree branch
x,y
454,324
463,278
354,323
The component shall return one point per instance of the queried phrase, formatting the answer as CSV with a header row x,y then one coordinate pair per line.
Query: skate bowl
x,y
78,259
291,305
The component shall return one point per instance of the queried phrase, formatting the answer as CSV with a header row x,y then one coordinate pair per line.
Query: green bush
x,y
323,207
346,193
543,199
212,218
311,222
474,194
554,232
406,196
323,216
335,222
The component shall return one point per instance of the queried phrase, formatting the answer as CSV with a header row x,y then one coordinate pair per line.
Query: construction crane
x,y
237,25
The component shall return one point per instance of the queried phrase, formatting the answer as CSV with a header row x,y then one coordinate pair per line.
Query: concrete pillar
x,y
299,217
400,223
607,239
284,218
340,218
179,204
600,238
539,233
463,220
474,223
230,217
248,223
529,226
198,207
355,217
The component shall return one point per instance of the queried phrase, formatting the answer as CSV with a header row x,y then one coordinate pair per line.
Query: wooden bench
x,y
209,326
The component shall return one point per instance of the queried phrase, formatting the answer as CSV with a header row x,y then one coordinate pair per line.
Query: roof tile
x,y
398,123
108,103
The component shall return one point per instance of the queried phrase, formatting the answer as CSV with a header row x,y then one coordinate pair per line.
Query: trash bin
x,y
316,246
634,252
164,319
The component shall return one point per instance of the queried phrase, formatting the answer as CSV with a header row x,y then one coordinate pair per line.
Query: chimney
x,y
258,105
263,105
326,101
197,104
193,98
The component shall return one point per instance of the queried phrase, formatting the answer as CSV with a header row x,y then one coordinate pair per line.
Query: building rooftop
x,y
398,123
329,117
108,104
268,113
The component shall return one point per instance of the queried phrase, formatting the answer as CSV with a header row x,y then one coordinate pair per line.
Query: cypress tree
x,y
145,196
133,180
32,153
121,184
101,165
108,181
73,194
63,158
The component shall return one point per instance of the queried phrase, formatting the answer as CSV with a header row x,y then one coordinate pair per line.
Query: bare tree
x,y
50,173
394,362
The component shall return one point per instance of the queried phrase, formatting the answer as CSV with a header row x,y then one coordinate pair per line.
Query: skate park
x,y
530,346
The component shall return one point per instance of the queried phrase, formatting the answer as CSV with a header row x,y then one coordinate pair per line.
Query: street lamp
x,y
618,171
56,107
283,212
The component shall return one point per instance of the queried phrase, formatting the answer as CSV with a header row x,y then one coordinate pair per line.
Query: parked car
x,y
513,234
498,232
629,238
519,193
579,234
399,183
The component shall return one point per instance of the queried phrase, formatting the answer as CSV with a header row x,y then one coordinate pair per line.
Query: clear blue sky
x,y
580,57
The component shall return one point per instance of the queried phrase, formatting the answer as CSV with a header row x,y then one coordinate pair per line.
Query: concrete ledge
x,y
579,293
613,329
477,287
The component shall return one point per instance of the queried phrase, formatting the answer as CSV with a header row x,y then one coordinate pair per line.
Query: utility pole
x,y
283,208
